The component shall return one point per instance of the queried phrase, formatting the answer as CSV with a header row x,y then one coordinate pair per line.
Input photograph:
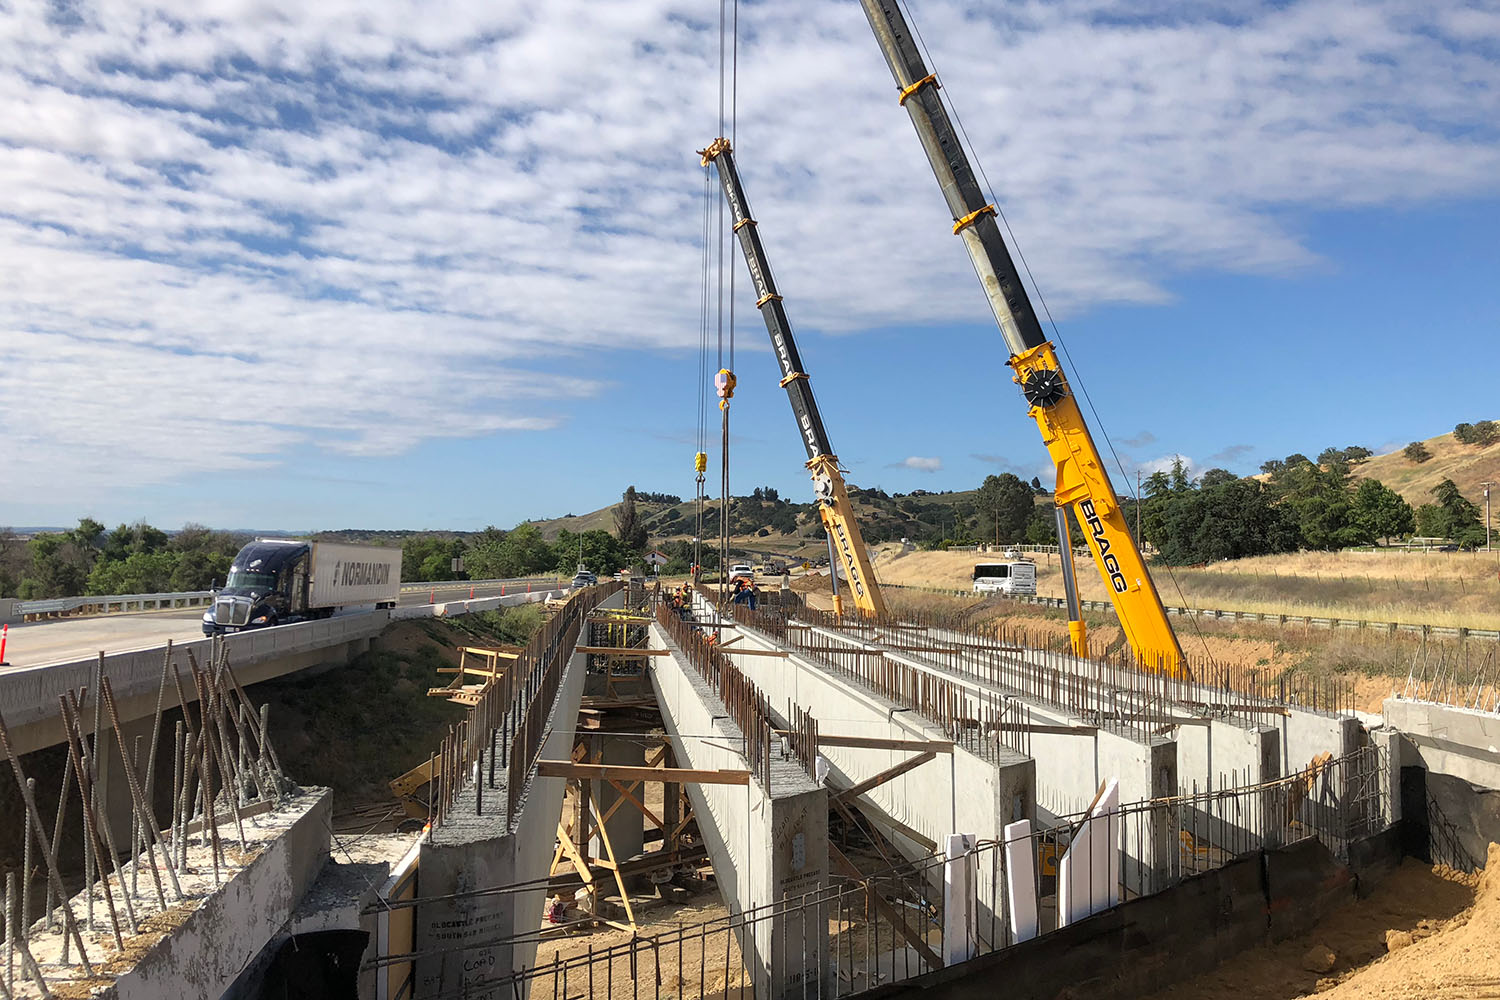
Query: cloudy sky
x,y
277,264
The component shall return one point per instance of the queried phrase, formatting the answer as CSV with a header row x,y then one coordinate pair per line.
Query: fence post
x,y
1020,880
960,892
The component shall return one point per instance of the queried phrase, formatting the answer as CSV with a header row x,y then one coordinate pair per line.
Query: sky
x,y
273,264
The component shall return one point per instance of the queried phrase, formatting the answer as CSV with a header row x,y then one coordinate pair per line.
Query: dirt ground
x,y
1424,934
702,960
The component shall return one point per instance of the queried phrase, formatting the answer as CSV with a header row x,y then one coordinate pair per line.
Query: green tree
x,y
629,529
1454,516
598,550
1432,522
430,557
140,572
1380,512
1155,499
1416,452
61,563
494,554
1352,455
1320,500
1223,517
1004,504
1486,432
1464,434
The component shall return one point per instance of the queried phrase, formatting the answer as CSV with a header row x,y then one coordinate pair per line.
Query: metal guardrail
x,y
121,603
64,605
1458,631
417,586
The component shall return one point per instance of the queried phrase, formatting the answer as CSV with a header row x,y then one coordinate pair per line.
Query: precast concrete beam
x,y
768,846
957,792
1072,759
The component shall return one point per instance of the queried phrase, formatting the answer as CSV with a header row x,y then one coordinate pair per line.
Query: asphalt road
x,y
61,640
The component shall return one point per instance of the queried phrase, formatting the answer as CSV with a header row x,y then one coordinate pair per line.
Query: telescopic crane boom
x,y
828,481
1082,481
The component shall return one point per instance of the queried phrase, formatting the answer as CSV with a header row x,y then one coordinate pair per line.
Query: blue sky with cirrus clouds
x,y
439,264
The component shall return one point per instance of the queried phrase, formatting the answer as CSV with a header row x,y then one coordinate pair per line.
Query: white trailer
x,y
344,575
275,581
1016,577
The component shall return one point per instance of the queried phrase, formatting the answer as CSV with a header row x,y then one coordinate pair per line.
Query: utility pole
x,y
1487,486
1139,541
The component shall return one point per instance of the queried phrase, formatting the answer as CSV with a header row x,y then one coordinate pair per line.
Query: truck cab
x,y
1015,577
267,585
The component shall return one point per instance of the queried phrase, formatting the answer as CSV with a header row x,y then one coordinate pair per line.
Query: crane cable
x,y
1056,333
729,31
700,457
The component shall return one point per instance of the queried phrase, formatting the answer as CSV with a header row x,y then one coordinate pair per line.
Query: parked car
x,y
741,570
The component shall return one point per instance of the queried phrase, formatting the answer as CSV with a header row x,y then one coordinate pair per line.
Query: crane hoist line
x,y
1082,481
832,494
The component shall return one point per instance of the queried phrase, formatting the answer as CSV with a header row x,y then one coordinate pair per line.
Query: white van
x,y
1017,577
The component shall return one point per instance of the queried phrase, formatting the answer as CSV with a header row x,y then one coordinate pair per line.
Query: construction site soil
x,y
1423,934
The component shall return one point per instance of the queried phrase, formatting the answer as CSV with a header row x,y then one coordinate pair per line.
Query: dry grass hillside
x,y
788,527
1438,588
1467,465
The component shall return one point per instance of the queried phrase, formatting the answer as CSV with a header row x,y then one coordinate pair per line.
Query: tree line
x,y
130,559
1301,504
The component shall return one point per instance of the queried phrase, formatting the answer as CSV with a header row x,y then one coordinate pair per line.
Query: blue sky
x,y
437,265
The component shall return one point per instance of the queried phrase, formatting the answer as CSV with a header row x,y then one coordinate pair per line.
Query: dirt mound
x,y
1433,908
1456,960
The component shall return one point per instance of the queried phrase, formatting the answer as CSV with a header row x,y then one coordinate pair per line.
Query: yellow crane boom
x,y
1082,481
834,507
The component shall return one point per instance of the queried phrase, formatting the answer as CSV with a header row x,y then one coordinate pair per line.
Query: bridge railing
x,y
101,604
504,731
106,603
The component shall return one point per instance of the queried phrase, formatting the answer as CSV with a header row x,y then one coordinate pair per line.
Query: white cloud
x,y
233,230
1164,464
921,464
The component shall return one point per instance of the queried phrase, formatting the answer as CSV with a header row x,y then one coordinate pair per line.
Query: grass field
x,y
1437,588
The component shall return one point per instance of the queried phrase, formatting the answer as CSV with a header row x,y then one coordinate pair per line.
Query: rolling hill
x,y
1467,465
771,523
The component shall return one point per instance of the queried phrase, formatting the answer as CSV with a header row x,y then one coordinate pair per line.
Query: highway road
x,y
62,640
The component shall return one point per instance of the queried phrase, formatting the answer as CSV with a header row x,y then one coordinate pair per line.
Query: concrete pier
x,y
466,934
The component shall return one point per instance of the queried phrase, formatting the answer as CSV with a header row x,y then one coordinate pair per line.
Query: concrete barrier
x,y
449,609
29,697
204,954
